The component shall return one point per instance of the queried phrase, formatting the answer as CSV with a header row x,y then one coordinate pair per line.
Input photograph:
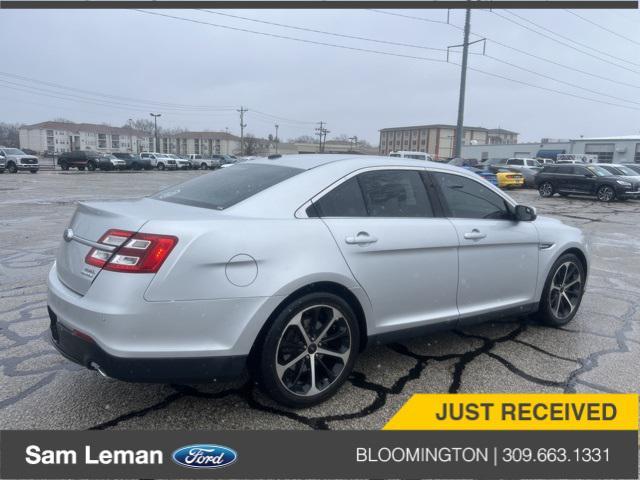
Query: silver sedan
x,y
291,266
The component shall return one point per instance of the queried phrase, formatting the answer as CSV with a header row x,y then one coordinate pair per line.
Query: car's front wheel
x,y
91,166
160,166
563,291
12,168
204,166
545,190
606,193
309,350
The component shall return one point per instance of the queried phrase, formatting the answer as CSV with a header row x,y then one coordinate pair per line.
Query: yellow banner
x,y
523,411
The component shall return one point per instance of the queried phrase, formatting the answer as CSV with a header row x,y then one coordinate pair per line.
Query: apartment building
x,y
437,139
202,143
59,137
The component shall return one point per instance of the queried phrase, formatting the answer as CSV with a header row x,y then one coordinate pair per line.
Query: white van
x,y
414,155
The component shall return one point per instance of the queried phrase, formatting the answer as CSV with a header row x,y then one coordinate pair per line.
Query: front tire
x,y
563,291
204,166
12,168
606,194
161,166
91,166
309,350
546,190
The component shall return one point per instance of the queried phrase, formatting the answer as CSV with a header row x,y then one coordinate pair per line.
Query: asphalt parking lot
x,y
598,352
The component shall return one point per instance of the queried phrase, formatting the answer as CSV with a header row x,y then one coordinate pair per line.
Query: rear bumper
x,y
84,351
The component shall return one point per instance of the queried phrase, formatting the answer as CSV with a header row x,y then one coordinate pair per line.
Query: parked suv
x,y
200,162
159,160
133,161
108,161
16,160
593,180
79,159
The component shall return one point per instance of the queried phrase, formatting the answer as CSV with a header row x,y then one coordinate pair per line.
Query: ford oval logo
x,y
204,456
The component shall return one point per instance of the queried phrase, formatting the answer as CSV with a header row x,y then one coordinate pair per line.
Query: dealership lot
x,y
598,352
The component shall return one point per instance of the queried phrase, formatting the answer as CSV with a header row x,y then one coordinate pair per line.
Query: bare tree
x,y
254,145
9,136
303,139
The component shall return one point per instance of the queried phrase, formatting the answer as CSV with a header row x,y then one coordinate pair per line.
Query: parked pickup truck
x,y
204,163
16,160
3,162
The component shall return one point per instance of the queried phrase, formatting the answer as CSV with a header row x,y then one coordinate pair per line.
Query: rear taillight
x,y
134,253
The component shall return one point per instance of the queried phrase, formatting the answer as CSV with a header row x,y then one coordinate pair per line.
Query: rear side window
x,y
343,201
515,161
379,193
467,198
395,193
226,187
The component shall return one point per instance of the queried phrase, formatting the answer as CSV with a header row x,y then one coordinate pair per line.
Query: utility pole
x,y
320,129
242,111
155,125
276,139
354,139
463,85
324,135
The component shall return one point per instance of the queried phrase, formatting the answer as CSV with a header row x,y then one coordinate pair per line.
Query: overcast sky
x,y
150,58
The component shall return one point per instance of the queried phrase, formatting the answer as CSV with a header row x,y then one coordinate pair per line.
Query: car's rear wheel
x,y
606,193
563,291
160,166
91,166
203,166
546,190
64,166
309,350
81,169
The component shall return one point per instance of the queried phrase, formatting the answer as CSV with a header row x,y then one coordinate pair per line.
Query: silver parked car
x,y
291,266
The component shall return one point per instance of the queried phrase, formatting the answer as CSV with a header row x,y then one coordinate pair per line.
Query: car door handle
x,y
362,238
474,234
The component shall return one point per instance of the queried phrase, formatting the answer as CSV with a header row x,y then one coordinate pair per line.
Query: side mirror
x,y
525,213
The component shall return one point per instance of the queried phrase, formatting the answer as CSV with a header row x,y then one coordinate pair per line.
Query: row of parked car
x,y
90,160
605,181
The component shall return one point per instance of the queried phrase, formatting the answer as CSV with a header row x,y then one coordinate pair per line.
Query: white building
x,y
58,137
618,149
202,143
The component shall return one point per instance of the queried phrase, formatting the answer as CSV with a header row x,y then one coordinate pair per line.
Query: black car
x,y
633,166
79,159
592,180
134,162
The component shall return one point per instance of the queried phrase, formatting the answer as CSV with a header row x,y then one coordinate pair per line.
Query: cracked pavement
x,y
599,351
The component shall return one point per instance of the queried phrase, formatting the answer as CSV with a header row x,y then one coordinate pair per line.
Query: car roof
x,y
312,161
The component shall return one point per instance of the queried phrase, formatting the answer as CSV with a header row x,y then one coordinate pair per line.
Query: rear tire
x,y
33,171
81,169
204,166
309,350
546,190
563,291
64,166
91,166
161,166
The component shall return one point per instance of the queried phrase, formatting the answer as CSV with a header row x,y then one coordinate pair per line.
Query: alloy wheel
x,y
605,194
313,350
565,290
546,190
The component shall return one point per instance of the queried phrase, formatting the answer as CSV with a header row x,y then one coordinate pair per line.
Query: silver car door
x,y
403,256
498,256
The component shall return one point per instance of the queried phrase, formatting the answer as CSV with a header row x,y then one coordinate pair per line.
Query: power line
x,y
312,30
295,39
390,54
367,39
518,50
601,27
115,97
569,39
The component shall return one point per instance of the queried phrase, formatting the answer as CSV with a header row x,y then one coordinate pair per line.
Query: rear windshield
x,y
226,187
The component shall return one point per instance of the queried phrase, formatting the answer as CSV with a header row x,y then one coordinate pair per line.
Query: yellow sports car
x,y
509,179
